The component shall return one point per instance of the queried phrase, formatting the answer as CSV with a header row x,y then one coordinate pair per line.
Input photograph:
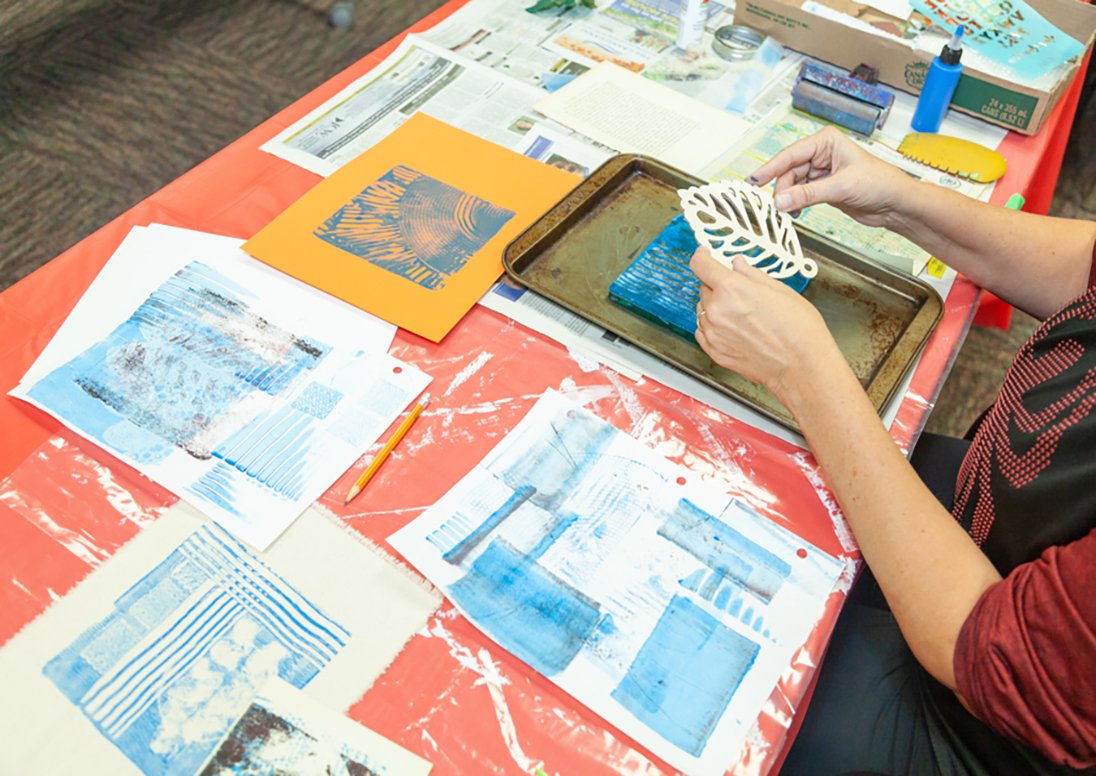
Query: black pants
x,y
875,710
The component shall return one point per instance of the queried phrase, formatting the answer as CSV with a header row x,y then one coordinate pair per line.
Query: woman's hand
x,y
760,328
829,167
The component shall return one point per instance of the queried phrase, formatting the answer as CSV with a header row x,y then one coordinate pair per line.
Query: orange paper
x,y
414,229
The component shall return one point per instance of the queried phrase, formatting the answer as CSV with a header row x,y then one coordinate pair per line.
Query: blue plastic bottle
x,y
939,85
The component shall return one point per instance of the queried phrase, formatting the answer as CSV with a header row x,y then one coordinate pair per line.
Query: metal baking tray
x,y
880,318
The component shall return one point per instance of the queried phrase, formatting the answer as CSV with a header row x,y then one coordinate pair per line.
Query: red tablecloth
x,y
452,695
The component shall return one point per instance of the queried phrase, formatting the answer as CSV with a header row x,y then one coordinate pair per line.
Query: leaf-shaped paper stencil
x,y
734,219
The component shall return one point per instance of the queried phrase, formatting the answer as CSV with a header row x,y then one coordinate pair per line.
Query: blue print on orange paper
x,y
414,226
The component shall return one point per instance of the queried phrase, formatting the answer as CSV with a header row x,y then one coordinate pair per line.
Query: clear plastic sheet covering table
x,y
452,695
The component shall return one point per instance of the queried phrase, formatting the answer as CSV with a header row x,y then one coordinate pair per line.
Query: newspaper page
x,y
416,76
499,34
561,148
549,49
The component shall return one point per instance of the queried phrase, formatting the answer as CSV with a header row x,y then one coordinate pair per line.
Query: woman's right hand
x,y
829,167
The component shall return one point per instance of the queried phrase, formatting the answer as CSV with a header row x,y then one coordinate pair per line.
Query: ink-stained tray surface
x,y
880,318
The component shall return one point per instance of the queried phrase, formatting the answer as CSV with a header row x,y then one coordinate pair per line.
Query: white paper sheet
x,y
283,731
147,663
416,76
627,112
661,603
238,388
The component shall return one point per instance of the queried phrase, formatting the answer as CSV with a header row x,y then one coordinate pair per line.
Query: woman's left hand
x,y
758,327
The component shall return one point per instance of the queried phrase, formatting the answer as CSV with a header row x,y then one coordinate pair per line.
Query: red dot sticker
x,y
801,552
397,369
680,480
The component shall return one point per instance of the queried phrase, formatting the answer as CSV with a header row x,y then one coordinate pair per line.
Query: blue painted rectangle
x,y
559,464
725,550
685,674
528,610
658,284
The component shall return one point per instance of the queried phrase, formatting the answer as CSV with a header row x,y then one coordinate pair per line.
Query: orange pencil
x,y
389,446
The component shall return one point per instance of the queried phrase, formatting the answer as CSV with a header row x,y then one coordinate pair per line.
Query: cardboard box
x,y
994,99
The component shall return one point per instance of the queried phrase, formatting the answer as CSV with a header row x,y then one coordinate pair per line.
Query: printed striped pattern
x,y
241,586
273,450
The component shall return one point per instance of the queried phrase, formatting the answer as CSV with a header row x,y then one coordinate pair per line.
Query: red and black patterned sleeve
x,y
1025,659
1092,271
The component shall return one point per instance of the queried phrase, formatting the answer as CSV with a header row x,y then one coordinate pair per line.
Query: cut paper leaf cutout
x,y
734,219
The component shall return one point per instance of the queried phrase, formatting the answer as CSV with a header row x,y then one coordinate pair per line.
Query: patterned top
x,y
1025,659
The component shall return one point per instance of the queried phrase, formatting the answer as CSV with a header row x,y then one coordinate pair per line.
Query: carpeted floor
x,y
104,101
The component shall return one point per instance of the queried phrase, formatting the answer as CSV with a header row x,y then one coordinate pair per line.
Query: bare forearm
x,y
929,569
1037,263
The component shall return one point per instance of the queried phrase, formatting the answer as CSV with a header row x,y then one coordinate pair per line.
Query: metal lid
x,y
736,42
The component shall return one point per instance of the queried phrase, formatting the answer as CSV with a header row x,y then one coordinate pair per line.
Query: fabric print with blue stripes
x,y
164,676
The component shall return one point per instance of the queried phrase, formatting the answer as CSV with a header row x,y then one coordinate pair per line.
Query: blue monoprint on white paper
x,y
667,609
414,226
164,675
685,674
167,376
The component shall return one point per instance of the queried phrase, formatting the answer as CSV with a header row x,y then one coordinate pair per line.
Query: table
x,y
451,695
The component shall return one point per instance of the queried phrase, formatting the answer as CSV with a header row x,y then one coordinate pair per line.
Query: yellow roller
x,y
955,155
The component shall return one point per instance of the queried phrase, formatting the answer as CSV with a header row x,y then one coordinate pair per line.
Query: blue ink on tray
x,y
414,226
207,624
659,285
685,674
528,610
163,378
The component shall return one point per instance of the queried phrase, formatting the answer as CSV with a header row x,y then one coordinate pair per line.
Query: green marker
x,y
1015,202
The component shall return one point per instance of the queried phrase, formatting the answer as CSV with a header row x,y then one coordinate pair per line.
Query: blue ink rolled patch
x,y
526,608
414,226
685,674
660,286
